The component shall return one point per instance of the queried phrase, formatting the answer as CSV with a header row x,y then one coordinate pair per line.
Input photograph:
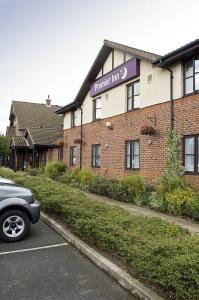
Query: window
x,y
133,154
97,109
191,154
60,153
73,118
133,96
73,156
191,76
96,156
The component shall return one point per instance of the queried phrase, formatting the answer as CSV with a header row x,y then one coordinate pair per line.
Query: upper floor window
x,y
96,155
191,76
133,154
191,154
97,108
73,155
73,118
133,95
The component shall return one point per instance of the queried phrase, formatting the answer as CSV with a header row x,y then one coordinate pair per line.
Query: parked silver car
x,y
18,207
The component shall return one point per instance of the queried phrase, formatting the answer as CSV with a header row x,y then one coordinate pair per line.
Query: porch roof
x,y
19,142
44,136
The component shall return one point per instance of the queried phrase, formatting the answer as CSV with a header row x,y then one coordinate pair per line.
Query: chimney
x,y
48,101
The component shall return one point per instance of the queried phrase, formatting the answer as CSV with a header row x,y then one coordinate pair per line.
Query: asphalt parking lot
x,y
44,266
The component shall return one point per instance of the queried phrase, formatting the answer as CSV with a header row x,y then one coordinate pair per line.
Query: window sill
x,y
191,173
132,169
96,120
191,94
134,109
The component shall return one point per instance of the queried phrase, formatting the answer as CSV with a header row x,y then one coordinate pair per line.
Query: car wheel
x,y
14,226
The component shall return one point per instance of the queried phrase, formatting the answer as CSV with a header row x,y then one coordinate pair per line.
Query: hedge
x,y
158,252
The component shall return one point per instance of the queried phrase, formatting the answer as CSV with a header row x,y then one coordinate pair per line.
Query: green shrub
x,y
55,169
75,175
180,201
117,191
7,173
64,178
194,209
33,171
164,185
134,186
85,176
145,199
99,185
79,178
127,189
173,178
161,253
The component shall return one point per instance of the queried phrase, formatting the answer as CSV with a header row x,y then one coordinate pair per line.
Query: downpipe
x,y
171,99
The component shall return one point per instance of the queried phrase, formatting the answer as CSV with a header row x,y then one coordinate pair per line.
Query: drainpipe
x,y
14,160
171,99
81,137
33,157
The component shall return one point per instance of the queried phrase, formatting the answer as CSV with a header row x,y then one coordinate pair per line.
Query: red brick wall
x,y
153,150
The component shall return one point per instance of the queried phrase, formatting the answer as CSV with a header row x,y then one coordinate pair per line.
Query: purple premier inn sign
x,y
116,77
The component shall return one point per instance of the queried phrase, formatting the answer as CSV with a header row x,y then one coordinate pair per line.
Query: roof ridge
x,y
46,128
133,48
34,103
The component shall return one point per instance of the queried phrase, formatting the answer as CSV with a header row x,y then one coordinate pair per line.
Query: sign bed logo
x,y
116,77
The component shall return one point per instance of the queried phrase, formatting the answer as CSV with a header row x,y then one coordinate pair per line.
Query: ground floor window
x,y
133,155
73,156
96,156
191,154
60,153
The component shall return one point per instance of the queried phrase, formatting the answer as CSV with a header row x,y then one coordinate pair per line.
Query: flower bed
x,y
157,252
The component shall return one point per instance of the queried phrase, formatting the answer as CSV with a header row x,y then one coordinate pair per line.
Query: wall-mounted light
x,y
109,125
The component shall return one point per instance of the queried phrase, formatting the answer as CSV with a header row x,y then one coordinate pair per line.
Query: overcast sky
x,y
48,46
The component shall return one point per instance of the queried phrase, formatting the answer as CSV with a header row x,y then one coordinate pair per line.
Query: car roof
x,y
6,181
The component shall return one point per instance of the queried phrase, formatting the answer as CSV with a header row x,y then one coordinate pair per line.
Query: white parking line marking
x,y
33,249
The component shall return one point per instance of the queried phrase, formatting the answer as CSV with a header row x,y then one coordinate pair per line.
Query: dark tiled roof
x,y
44,136
11,131
36,115
185,52
19,141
